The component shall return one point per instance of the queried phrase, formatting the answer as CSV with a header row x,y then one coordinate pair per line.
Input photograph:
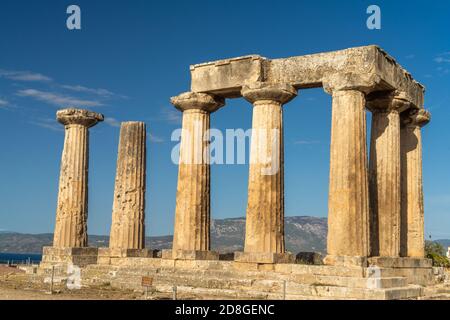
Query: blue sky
x,y
131,56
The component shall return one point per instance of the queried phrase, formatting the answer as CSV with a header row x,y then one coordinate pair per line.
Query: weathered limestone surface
x,y
265,208
72,210
384,174
111,255
128,217
192,214
412,210
348,201
190,255
227,77
54,256
227,279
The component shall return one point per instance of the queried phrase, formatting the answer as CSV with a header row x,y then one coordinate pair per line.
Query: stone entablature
x,y
226,77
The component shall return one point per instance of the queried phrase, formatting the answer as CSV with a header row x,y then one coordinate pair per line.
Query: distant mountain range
x,y
302,233
227,235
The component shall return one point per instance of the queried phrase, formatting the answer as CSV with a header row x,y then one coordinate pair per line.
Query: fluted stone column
x,y
384,174
412,208
264,234
348,201
128,218
72,210
192,214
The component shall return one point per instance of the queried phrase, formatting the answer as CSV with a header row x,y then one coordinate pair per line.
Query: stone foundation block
x,y
400,262
263,257
345,261
190,255
76,256
127,253
109,255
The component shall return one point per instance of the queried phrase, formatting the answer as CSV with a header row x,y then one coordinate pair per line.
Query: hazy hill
x,y
227,235
444,242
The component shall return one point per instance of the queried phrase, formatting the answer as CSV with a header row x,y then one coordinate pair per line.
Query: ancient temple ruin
x,y
375,207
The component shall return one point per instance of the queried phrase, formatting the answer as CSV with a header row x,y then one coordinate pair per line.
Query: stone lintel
x,y
194,100
264,257
189,255
346,261
75,256
79,116
400,262
227,77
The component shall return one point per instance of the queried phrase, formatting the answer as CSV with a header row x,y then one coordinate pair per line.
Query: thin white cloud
x,y
112,122
443,57
155,139
57,99
99,92
24,76
3,103
442,60
305,142
48,123
410,56
172,115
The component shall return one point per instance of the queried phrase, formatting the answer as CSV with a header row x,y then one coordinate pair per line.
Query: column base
x,y
264,257
189,255
106,254
64,256
347,261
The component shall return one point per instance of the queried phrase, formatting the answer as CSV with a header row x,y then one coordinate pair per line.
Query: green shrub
x,y
436,252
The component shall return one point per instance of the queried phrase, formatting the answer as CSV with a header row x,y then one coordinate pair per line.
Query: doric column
x,y
72,210
128,218
384,173
412,210
192,214
348,201
265,209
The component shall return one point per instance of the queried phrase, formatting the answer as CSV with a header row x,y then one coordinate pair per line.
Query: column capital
x,y
78,116
196,100
416,118
382,101
260,91
365,83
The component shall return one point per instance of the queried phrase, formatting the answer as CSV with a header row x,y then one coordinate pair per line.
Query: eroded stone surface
x,y
227,77
72,208
412,208
192,213
384,175
128,217
265,205
348,200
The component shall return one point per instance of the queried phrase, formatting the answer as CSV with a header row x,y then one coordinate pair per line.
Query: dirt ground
x,y
15,284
